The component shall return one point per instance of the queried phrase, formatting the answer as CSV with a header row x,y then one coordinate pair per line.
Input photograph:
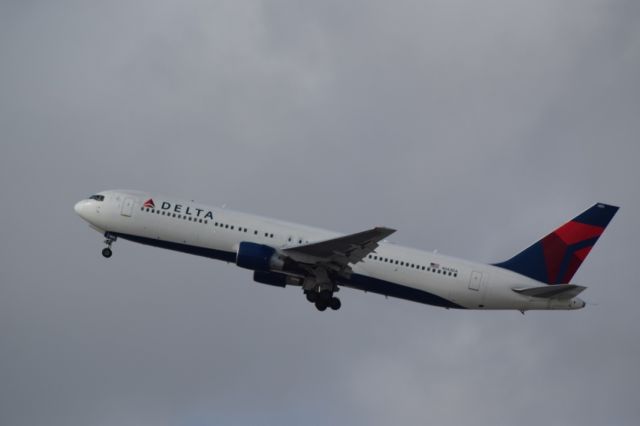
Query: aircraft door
x,y
127,207
475,281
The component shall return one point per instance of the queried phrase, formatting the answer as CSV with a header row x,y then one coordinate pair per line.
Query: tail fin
x,y
556,258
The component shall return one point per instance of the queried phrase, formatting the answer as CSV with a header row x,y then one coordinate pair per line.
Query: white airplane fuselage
x,y
390,270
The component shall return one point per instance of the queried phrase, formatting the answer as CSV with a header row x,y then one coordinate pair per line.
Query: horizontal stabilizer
x,y
562,291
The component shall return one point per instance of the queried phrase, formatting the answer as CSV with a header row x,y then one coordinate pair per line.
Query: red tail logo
x,y
566,248
149,204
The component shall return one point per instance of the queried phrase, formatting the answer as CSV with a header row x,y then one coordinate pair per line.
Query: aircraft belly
x,y
396,283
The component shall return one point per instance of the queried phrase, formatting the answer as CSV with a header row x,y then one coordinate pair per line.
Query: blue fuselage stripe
x,y
357,281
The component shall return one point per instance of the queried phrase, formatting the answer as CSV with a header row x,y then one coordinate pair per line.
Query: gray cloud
x,y
472,128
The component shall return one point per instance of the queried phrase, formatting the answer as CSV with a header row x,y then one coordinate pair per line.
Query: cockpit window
x,y
97,197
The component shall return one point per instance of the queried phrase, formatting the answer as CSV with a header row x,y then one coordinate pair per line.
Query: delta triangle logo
x,y
149,204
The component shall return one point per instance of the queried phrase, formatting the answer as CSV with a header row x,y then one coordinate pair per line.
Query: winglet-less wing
x,y
559,291
340,251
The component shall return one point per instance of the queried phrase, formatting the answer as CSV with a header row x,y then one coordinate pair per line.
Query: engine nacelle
x,y
271,278
258,257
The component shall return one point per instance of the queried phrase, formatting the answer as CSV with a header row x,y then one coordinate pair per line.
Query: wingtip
x,y
385,229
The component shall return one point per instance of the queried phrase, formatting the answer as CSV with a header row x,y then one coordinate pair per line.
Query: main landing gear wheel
x,y
335,303
323,299
106,252
320,305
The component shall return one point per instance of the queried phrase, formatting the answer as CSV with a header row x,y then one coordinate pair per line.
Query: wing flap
x,y
559,291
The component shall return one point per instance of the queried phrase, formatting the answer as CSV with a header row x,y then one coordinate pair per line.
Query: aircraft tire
x,y
335,303
106,252
325,297
312,296
321,306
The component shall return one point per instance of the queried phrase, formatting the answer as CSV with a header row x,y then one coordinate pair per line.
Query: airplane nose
x,y
82,208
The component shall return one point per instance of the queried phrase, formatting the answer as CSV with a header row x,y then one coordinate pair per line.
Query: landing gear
x,y
109,239
323,300
333,303
319,289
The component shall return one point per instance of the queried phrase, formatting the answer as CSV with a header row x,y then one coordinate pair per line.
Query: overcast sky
x,y
471,127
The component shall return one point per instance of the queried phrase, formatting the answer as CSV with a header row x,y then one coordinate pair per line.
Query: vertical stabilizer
x,y
556,258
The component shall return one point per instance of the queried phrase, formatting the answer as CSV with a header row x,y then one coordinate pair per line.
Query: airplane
x,y
284,254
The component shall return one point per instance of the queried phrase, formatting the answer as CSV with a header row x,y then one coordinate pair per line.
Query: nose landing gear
x,y
109,239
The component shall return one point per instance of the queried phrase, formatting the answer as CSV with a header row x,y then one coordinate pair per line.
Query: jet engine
x,y
258,257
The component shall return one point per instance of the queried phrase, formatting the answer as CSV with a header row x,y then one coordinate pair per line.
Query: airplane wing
x,y
338,253
559,291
